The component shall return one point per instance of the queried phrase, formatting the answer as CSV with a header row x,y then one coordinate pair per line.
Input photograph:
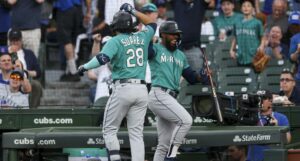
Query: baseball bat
x,y
213,89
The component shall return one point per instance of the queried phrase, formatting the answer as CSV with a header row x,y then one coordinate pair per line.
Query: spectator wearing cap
x,y
10,96
26,17
4,21
30,64
102,74
226,20
6,66
248,36
267,117
293,26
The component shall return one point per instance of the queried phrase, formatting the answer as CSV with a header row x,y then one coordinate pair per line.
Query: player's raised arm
x,y
146,20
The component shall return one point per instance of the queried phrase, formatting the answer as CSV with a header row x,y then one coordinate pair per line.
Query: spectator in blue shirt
x,y
267,117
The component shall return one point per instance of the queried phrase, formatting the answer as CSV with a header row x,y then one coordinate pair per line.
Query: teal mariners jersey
x,y
166,67
226,23
248,35
128,54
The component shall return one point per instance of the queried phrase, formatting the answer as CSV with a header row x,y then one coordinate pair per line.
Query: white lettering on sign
x,y
47,142
24,141
46,120
248,138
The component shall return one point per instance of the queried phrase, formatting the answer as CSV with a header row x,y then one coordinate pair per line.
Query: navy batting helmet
x,y
169,27
122,22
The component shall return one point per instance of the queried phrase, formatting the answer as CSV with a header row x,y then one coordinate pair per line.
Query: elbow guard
x,y
102,59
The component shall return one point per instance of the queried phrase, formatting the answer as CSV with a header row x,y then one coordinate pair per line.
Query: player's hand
x,y
127,8
81,70
97,38
274,121
204,75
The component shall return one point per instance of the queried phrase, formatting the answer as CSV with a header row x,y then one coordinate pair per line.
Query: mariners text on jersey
x,y
164,58
135,40
245,31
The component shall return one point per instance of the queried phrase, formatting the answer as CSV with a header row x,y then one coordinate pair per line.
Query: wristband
x,y
133,12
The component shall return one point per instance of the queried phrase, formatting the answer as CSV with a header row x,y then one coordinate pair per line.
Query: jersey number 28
x,y
136,57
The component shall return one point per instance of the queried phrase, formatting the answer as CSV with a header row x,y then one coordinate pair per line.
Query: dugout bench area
x,y
43,139
48,131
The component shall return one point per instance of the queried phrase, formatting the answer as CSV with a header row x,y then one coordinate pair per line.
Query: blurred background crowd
x,y
44,41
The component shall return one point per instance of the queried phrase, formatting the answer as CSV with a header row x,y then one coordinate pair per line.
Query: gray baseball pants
x,y
127,100
173,121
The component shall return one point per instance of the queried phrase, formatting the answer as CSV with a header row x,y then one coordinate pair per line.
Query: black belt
x,y
121,81
170,92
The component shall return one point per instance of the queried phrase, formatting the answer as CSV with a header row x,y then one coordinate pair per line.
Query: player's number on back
x,y
136,57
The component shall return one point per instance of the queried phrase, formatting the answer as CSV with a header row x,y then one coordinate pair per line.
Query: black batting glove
x,y
81,70
204,76
128,8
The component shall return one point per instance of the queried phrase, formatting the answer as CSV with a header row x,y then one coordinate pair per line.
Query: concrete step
x,y
58,94
64,93
71,102
54,75
68,85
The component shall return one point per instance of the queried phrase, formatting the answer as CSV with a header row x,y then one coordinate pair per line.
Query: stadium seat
x,y
269,78
221,55
236,71
280,63
234,89
237,80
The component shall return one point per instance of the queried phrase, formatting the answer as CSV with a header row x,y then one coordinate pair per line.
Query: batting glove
x,y
128,8
81,70
204,76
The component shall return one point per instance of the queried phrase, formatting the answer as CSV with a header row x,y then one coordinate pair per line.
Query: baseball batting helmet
x,y
122,22
169,27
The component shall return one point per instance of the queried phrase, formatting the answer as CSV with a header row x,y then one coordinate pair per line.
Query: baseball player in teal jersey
x,y
168,64
128,54
248,35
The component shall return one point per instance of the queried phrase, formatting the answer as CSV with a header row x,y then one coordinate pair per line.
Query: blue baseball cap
x,y
3,50
294,18
149,7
